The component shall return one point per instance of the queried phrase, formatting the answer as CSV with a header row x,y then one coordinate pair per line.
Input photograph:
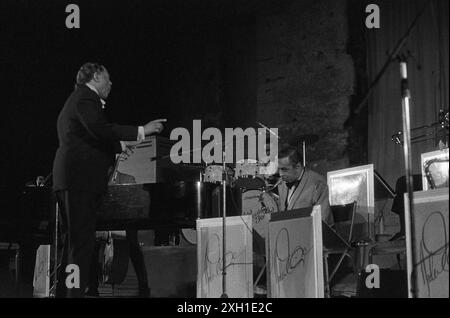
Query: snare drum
x,y
258,203
213,174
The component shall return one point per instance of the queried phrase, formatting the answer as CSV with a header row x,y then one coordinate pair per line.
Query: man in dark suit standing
x,y
302,187
87,144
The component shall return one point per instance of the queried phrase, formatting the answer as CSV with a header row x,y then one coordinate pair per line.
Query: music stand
x,y
382,189
332,241
382,192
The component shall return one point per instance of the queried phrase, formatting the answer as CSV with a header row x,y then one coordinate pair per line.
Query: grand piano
x,y
145,191
148,191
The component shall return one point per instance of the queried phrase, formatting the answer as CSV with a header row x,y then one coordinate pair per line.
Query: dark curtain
x,y
428,70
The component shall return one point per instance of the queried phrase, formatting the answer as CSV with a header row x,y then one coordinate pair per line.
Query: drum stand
x,y
52,291
224,231
255,284
304,154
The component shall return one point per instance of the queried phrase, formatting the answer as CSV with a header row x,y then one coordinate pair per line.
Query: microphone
x,y
268,129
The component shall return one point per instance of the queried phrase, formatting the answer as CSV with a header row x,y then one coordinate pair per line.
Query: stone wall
x,y
306,77
285,63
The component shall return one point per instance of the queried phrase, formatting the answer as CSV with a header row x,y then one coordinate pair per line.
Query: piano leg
x,y
25,263
167,236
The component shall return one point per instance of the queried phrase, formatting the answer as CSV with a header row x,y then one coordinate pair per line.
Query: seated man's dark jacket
x,y
87,143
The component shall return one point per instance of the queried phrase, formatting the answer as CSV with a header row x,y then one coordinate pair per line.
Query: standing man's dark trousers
x,y
77,219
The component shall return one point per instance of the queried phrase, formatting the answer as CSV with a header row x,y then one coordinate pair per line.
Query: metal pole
x,y
304,153
407,156
55,254
199,195
224,237
199,199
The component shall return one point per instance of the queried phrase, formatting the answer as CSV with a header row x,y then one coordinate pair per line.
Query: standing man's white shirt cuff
x,y
140,137
141,133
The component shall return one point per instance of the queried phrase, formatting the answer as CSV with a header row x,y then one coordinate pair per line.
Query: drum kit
x,y
255,188
255,180
249,192
250,184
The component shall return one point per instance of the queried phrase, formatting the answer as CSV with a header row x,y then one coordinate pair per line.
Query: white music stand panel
x,y
239,257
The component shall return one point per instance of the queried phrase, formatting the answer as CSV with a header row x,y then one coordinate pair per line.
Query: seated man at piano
x,y
87,144
300,186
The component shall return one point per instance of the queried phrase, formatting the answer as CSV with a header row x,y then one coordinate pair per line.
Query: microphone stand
x,y
304,153
52,293
408,160
224,238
